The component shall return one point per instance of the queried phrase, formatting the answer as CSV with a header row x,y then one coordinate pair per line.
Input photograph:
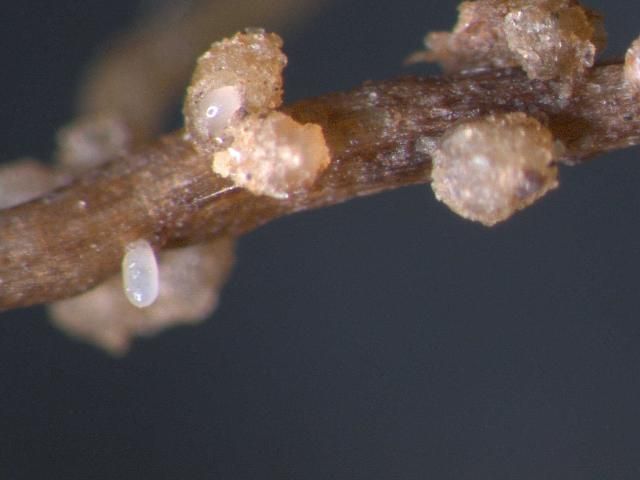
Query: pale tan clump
x,y
191,279
477,40
274,155
632,66
139,73
24,180
236,76
487,169
91,141
547,38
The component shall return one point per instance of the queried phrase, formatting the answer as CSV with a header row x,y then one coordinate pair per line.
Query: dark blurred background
x,y
384,338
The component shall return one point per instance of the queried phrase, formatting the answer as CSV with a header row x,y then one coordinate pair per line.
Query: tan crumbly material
x,y
230,115
547,38
191,279
487,169
554,39
274,155
632,66
251,62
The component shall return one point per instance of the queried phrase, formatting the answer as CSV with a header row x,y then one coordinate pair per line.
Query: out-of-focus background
x,y
383,338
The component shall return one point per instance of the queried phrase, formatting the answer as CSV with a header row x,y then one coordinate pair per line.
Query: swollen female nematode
x,y
218,107
140,274
230,116
487,169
